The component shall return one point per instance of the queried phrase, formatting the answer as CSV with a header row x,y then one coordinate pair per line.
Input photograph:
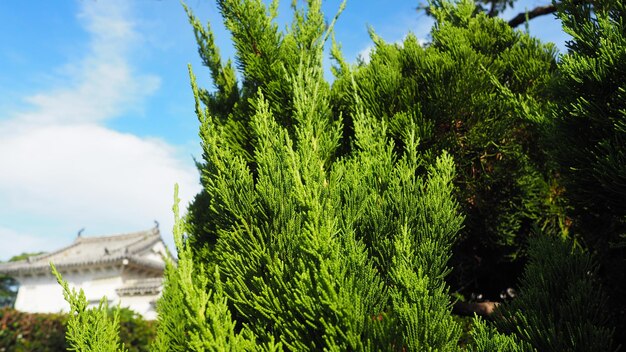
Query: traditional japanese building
x,y
126,268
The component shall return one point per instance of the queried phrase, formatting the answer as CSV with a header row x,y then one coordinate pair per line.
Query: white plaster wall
x,y
43,294
141,304
102,286
40,294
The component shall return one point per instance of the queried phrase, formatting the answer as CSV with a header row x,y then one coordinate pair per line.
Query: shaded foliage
x,y
31,332
21,331
590,136
561,306
479,91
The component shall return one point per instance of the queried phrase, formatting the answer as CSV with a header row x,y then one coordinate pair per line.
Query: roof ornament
x,y
80,232
156,224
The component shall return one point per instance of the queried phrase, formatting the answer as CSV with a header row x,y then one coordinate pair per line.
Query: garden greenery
x,y
331,214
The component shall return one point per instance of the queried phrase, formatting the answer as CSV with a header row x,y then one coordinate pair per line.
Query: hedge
x,y
21,331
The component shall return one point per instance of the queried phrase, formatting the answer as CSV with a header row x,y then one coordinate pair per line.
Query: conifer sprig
x,y
206,322
89,329
562,305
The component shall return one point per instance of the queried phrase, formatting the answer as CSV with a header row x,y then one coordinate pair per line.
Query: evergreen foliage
x,y
328,215
417,302
326,238
266,59
191,318
590,136
561,305
87,329
478,90
591,116
487,338
171,321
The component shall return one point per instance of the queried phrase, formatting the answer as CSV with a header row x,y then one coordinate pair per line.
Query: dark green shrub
x,y
136,333
561,304
31,332
21,331
478,91
590,136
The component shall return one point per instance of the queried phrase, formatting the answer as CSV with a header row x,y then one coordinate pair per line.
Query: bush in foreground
x,y
21,331
325,224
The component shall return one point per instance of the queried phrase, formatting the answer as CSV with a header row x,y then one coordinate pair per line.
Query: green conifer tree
x,y
561,305
486,337
478,90
190,317
328,214
89,329
314,227
590,136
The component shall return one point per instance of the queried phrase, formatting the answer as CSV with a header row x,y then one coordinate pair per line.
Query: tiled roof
x,y
141,287
94,250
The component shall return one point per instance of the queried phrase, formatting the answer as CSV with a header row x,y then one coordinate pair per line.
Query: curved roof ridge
x,y
93,250
153,231
47,255
80,239
144,243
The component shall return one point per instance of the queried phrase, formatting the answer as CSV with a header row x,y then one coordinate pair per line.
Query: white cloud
x,y
101,84
365,53
90,174
396,29
61,163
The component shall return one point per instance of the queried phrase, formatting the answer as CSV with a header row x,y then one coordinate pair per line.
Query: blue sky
x,y
96,114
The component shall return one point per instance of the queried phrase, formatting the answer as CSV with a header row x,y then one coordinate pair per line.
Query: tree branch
x,y
492,12
536,12
481,308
